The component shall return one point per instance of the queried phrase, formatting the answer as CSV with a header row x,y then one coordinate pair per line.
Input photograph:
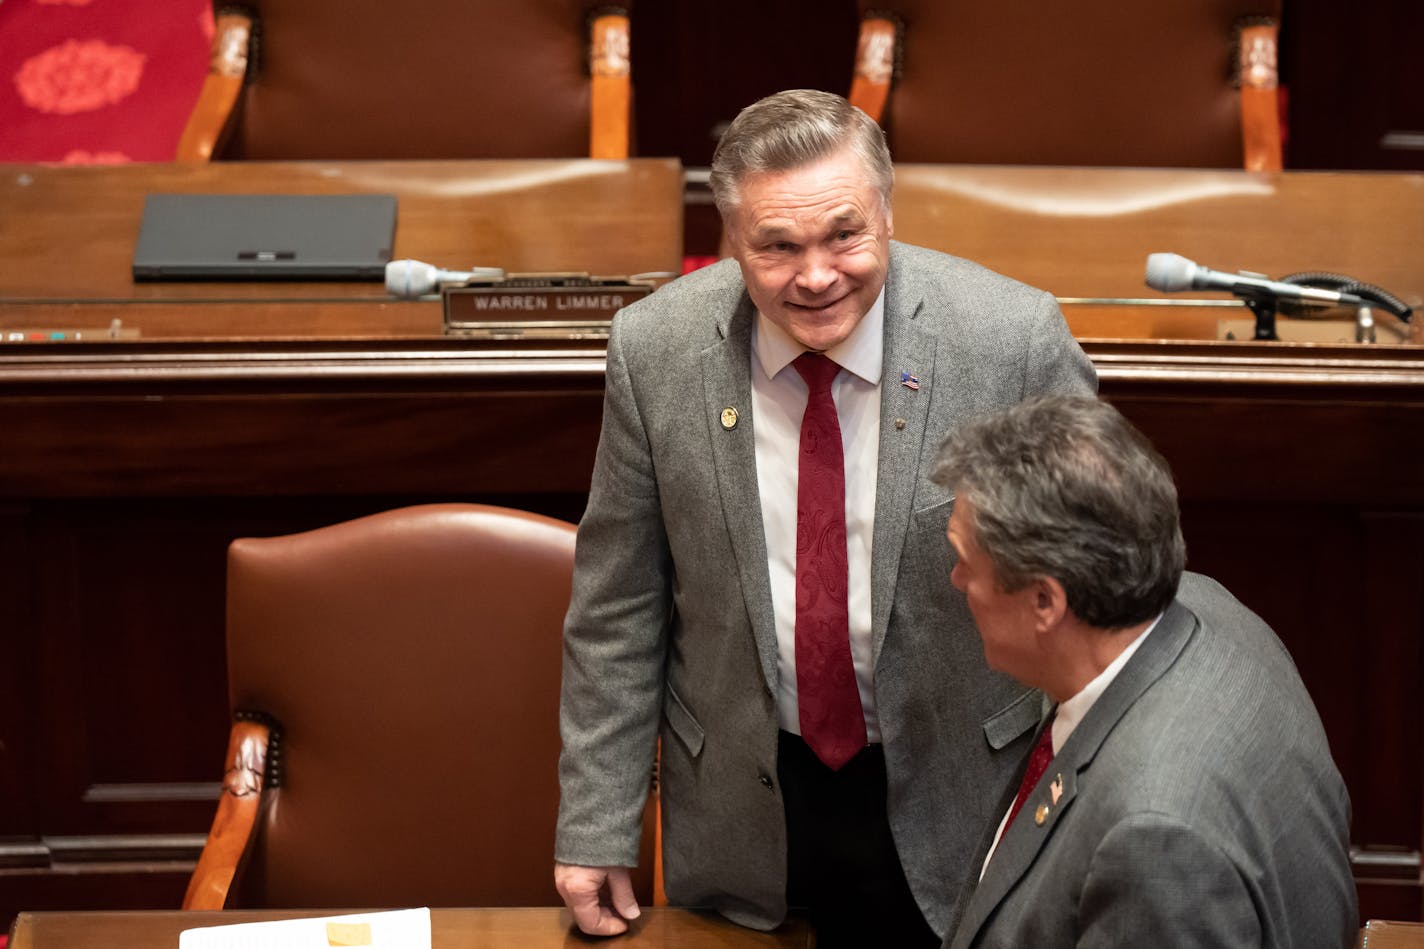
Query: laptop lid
x,y
265,237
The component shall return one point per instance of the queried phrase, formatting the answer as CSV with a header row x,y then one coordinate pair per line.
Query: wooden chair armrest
x,y
1260,97
612,95
230,838
213,112
876,55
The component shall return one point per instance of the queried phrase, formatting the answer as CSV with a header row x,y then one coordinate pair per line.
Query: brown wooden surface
x,y
527,928
1085,233
1387,934
67,236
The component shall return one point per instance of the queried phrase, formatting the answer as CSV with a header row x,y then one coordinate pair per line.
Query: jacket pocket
x,y
1020,716
684,724
935,517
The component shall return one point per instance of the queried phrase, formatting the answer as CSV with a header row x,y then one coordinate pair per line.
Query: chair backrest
x,y
412,662
422,79
1094,82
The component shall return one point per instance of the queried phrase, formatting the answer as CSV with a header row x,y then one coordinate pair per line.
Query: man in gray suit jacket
x,y
686,614
1182,792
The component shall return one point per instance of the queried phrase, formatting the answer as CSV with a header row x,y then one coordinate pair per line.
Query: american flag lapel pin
x,y
910,381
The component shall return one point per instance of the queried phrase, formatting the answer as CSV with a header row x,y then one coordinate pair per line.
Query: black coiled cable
x,y
1340,283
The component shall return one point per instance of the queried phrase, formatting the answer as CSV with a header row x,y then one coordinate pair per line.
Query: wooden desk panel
x,y
1085,233
533,928
125,478
67,236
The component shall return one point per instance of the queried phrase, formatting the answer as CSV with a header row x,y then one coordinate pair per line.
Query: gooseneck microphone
x,y
1171,273
408,279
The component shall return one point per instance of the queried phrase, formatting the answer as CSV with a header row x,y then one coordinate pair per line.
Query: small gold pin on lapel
x,y
1040,815
729,418
899,424
1056,789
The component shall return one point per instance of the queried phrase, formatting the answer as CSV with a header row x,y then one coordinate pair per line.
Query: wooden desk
x,y
1084,235
126,468
531,928
67,237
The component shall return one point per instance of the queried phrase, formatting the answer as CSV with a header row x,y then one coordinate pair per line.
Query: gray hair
x,y
791,129
1065,487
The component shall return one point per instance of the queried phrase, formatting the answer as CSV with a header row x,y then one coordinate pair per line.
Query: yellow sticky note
x,y
348,934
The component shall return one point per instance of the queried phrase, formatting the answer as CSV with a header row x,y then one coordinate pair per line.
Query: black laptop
x,y
265,237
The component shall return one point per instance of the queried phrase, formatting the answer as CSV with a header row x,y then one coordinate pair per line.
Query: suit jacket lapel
x,y
1023,841
726,382
909,348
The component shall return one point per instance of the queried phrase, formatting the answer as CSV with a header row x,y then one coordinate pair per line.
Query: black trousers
x,y
841,862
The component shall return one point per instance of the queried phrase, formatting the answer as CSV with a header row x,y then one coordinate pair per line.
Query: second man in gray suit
x,y
1181,792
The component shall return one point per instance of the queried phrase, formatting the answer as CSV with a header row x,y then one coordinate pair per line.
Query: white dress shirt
x,y
778,402
1071,712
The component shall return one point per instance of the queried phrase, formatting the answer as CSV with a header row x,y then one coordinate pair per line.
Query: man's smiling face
x,y
814,246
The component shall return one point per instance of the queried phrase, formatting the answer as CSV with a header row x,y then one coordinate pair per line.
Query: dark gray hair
x,y
1065,487
791,129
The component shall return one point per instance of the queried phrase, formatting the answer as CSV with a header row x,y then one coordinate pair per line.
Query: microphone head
x,y
410,278
1170,272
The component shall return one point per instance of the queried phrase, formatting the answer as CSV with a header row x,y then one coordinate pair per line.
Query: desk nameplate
x,y
553,305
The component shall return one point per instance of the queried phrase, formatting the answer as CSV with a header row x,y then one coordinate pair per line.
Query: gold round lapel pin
x,y
729,418
1040,815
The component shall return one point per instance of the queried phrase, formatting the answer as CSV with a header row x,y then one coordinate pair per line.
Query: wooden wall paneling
x,y
1353,104
1385,745
19,645
1300,493
134,615
708,61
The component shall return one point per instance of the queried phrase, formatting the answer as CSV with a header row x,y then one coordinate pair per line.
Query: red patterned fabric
x,y
99,81
832,721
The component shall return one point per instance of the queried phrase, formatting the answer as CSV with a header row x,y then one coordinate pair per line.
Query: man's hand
x,y
581,888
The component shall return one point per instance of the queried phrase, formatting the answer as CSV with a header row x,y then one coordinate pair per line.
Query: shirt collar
x,y
862,352
1072,711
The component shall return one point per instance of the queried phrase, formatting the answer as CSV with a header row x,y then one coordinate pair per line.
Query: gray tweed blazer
x,y
670,630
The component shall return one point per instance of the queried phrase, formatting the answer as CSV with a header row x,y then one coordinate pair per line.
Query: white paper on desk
x,y
398,929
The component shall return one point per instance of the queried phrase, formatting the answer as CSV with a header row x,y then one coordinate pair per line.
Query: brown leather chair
x,y
1387,934
395,687
1178,83
423,79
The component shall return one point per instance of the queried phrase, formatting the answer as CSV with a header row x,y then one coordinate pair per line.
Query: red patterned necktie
x,y
1038,762
832,721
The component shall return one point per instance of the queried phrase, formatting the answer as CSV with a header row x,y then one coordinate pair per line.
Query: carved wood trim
x,y
611,98
230,839
1260,107
221,89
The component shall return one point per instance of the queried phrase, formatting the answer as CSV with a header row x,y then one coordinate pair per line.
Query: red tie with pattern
x,y
1038,761
832,722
